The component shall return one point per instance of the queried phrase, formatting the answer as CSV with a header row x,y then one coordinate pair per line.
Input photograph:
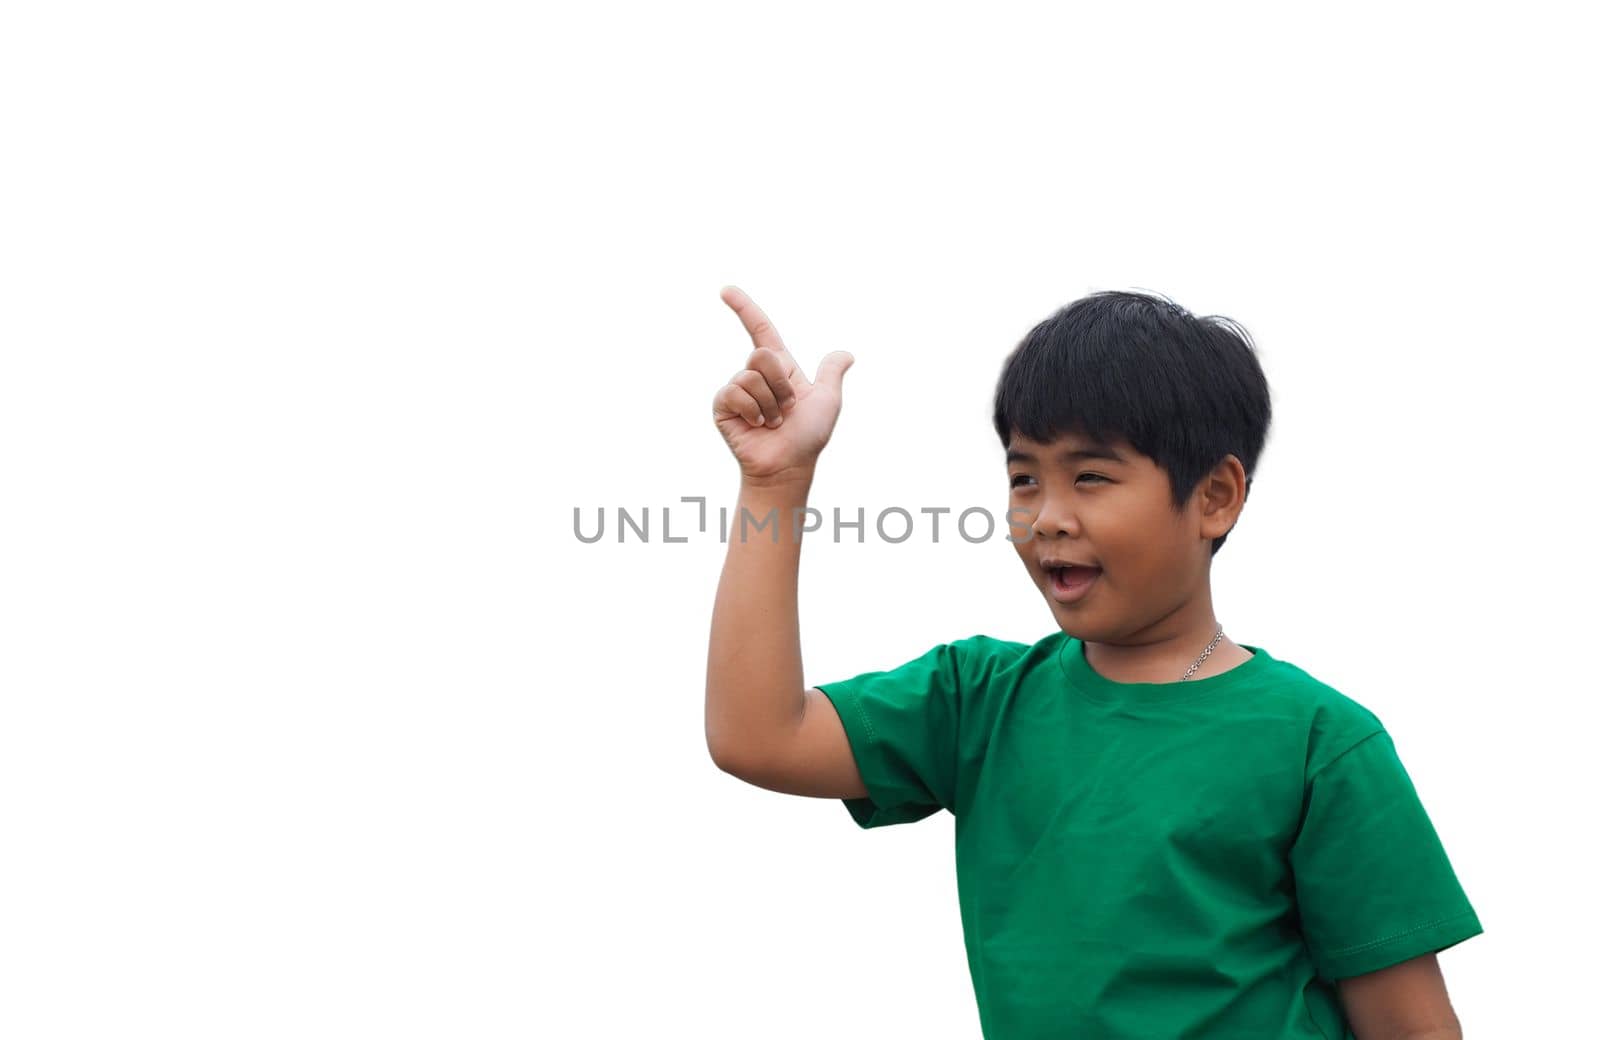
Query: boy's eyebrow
x,y
1096,451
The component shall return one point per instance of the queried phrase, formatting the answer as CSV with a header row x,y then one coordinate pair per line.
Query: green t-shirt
x,y
1197,858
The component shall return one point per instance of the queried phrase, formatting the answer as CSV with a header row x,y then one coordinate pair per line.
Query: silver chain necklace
x,y
1203,654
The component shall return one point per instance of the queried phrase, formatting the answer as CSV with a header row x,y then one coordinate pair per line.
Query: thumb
x,y
832,368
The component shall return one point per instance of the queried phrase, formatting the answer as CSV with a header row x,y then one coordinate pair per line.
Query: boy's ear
x,y
1222,495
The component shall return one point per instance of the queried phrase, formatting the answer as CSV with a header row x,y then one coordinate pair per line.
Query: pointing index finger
x,y
756,322
762,332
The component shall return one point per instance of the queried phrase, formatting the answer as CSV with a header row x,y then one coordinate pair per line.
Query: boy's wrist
x,y
775,503
787,482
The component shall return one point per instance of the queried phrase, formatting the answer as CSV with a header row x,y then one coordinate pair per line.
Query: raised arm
x,y
761,722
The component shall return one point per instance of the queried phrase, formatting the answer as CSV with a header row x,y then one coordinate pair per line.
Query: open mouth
x,y
1070,583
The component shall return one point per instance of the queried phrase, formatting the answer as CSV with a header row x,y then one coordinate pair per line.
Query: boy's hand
x,y
774,419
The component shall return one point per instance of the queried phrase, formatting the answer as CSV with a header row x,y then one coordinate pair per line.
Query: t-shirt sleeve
x,y
903,726
1372,882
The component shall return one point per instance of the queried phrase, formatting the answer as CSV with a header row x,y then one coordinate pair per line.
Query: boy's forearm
x,y
755,685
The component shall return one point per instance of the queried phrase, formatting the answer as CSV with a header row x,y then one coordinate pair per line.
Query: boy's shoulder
x,y
985,664
983,655
993,646
1335,721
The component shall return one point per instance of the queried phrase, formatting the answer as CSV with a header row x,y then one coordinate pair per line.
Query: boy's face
x,y
1114,514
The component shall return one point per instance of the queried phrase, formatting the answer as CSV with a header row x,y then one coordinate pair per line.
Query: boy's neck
x,y
1164,658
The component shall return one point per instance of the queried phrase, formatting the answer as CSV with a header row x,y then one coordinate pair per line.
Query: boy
x,y
1160,832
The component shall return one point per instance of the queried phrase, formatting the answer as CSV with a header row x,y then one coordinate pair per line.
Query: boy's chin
x,y
1073,619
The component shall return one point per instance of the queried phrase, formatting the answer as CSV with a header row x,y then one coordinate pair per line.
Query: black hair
x,y
1183,390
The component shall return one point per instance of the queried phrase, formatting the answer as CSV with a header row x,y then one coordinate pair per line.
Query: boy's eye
x,y
1024,476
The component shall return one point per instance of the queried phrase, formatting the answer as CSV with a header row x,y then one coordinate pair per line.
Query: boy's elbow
x,y
724,756
719,758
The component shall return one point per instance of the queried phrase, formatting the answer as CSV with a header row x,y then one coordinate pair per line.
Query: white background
x,y
319,320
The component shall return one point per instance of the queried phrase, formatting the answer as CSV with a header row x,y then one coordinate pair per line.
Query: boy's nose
x,y
1053,521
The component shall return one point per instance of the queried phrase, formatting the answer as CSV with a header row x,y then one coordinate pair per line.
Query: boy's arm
x,y
1406,1001
761,723
755,690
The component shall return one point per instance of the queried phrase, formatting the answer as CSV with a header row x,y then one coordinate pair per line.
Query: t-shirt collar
x,y
1075,667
